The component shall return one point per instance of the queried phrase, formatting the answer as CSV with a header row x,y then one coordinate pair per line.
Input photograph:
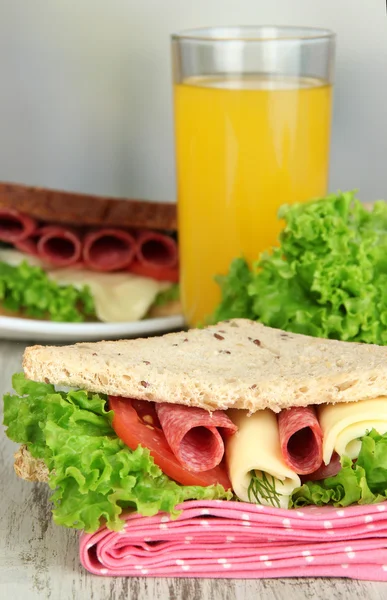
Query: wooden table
x,y
39,560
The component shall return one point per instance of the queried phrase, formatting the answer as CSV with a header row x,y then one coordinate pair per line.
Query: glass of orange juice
x,y
252,110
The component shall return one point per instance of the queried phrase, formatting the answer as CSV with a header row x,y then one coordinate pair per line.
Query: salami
x,y
59,246
193,436
154,272
108,249
136,422
325,471
301,439
29,245
15,226
156,249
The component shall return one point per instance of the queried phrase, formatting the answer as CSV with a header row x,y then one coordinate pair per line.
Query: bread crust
x,y
29,468
235,364
85,209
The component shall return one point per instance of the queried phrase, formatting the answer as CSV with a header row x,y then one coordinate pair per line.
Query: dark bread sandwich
x,y
62,254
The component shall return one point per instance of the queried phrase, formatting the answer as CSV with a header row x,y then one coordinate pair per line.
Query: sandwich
x,y
76,257
232,412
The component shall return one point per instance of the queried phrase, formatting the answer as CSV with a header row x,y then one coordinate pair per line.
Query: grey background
x,y
85,94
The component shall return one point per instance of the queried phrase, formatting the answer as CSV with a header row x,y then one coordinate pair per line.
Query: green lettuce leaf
x,y
169,295
94,475
29,289
362,482
373,459
328,277
236,300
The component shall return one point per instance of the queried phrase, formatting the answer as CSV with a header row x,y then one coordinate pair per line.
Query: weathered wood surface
x,y
39,560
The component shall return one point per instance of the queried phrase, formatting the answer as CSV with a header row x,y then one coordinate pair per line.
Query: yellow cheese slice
x,y
256,447
344,423
117,296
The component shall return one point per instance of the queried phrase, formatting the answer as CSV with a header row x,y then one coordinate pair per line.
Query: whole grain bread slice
x,y
238,363
29,468
85,209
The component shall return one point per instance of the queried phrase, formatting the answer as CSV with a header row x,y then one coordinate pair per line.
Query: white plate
x,y
12,328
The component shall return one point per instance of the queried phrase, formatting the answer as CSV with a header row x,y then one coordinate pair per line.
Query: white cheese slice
x,y
117,296
14,258
344,423
256,447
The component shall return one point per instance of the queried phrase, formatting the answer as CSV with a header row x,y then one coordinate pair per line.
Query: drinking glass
x,y
252,111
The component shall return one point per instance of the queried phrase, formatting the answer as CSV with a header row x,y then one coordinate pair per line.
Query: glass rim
x,y
253,33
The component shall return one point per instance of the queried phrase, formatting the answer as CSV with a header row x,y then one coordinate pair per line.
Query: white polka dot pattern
x,y
327,524
239,540
286,523
350,552
309,559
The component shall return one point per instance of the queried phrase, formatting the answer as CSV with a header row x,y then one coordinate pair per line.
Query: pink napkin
x,y
240,540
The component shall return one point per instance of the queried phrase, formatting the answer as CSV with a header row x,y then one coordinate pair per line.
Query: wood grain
x,y
40,561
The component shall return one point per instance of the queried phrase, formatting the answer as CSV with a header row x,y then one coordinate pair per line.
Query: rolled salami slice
x,y
154,272
29,245
156,249
324,471
301,439
15,226
59,246
108,249
193,436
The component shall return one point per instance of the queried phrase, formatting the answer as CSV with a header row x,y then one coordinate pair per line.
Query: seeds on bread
x,y
235,364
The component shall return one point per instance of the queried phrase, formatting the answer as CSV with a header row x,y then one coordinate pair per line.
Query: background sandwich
x,y
74,257
239,410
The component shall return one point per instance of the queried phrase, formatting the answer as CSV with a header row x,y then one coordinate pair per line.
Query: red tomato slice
x,y
136,422
155,272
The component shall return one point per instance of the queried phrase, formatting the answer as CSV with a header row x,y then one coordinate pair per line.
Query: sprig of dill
x,y
260,488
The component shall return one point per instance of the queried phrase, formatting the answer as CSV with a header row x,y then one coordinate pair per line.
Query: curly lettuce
x,y
94,475
171,294
28,289
360,482
327,278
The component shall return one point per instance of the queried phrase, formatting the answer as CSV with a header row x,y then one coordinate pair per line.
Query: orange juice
x,y
244,147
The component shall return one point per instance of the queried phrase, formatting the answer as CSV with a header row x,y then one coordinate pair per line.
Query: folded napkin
x,y
240,540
